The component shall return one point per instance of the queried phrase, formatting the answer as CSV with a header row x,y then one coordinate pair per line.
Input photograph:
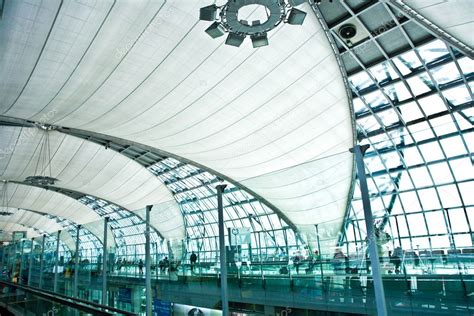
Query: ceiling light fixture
x,y
42,176
225,19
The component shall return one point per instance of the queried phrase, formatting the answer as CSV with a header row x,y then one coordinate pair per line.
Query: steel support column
x,y
30,267
56,262
4,250
76,263
11,259
42,263
20,273
223,262
104,262
359,152
149,303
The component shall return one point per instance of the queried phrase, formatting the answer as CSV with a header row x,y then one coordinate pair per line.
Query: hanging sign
x,y
18,235
240,236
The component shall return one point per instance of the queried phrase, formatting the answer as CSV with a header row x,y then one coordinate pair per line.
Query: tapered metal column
x,y
20,273
11,259
42,263
319,252
359,152
30,267
260,254
56,262
149,303
104,263
76,263
220,210
4,250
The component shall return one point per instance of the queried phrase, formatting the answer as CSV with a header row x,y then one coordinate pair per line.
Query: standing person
x,y
119,264
166,264
193,259
316,256
297,262
313,260
140,266
338,261
417,259
397,259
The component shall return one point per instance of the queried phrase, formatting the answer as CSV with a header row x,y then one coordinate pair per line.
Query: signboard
x,y
125,295
18,235
161,308
186,310
240,236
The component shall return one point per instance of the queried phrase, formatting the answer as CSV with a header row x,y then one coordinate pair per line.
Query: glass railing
x,y
446,274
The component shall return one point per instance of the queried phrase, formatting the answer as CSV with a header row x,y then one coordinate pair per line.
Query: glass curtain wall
x,y
271,238
417,116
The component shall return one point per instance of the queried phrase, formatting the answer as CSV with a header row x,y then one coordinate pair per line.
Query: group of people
x,y
164,265
396,258
312,261
341,262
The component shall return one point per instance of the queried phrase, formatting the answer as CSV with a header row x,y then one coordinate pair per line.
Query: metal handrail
x,y
86,306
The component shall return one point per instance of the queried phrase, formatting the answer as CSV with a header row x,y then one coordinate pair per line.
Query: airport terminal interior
x,y
236,157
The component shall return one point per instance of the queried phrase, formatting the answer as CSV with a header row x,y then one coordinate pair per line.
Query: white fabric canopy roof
x,y
453,16
88,168
8,228
45,201
30,220
147,72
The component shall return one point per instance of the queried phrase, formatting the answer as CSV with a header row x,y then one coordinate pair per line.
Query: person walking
x,y
193,259
396,259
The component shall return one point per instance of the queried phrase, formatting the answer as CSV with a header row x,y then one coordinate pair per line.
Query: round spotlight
x,y
347,31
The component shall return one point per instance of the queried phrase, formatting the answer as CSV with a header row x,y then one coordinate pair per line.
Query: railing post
x,y
56,262
104,262
223,262
369,223
76,263
148,262
42,263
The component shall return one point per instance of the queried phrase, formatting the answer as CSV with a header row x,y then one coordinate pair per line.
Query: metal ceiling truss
x,y
396,31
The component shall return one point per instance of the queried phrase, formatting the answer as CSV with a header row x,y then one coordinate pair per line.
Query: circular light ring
x,y
229,16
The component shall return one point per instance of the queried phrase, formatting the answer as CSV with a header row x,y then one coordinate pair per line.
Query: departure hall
x,y
236,157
